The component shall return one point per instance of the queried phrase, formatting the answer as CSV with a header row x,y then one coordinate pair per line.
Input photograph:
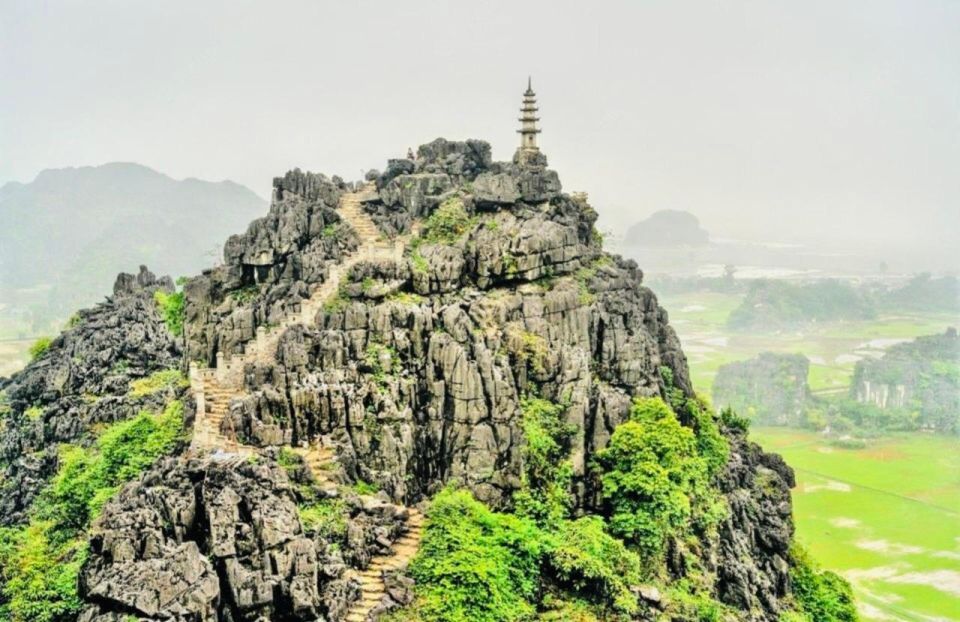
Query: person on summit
x,y
410,153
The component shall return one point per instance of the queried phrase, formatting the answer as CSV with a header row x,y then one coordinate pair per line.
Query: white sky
x,y
831,120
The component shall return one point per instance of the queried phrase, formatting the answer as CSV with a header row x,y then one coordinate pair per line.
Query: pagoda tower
x,y
528,120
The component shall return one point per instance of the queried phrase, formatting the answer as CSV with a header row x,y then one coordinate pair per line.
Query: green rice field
x,y
886,517
833,349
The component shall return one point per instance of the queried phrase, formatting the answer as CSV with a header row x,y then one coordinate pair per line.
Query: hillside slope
x,y
448,338
70,228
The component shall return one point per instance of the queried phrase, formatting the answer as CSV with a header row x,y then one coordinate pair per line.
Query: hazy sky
x,y
775,120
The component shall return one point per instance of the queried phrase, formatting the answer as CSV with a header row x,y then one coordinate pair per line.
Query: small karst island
x,y
426,395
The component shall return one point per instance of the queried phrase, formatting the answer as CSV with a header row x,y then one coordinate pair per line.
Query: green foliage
x,y
686,602
823,596
34,413
544,493
529,348
39,574
172,308
406,298
586,559
596,237
420,265
245,294
732,420
39,347
447,223
329,231
88,476
365,488
326,518
380,360
158,381
40,562
771,304
652,471
475,565
711,444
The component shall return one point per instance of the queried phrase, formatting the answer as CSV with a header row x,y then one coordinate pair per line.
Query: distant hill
x,y
65,235
769,389
668,228
921,377
776,305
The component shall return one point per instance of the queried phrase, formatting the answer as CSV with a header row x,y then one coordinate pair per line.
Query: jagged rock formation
x,y
82,380
319,361
220,539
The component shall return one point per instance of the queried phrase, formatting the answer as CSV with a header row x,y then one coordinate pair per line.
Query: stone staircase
x,y
372,587
215,388
321,460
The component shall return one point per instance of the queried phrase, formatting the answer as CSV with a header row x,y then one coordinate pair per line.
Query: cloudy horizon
x,y
728,110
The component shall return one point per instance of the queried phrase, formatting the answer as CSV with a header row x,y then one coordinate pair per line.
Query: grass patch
x,y
39,347
879,514
158,381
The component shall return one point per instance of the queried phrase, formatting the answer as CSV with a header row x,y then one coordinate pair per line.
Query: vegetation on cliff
x,y
40,561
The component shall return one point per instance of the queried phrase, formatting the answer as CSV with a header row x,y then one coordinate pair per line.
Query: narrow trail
x,y
215,388
372,586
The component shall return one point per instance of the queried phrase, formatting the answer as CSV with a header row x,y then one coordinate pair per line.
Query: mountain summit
x,y
430,393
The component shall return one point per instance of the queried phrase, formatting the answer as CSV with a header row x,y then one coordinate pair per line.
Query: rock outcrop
x,y
409,376
83,379
221,539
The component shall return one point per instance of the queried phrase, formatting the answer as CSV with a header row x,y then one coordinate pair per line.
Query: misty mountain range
x,y
65,235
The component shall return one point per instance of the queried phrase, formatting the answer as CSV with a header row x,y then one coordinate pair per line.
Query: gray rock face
x,y
752,568
419,373
221,539
269,269
83,379
415,370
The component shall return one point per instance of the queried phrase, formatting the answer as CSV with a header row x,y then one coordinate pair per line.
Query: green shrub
x,y
475,565
88,476
447,223
172,309
732,420
544,493
823,596
586,559
326,518
652,472
686,602
39,347
34,413
158,381
40,574
40,562
365,488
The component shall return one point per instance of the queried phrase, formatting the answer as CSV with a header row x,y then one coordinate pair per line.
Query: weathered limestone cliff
x,y
401,373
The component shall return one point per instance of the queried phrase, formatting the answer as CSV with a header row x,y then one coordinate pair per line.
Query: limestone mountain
x,y
667,229
70,228
430,395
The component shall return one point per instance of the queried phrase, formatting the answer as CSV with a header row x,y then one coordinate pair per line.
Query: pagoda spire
x,y
528,119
